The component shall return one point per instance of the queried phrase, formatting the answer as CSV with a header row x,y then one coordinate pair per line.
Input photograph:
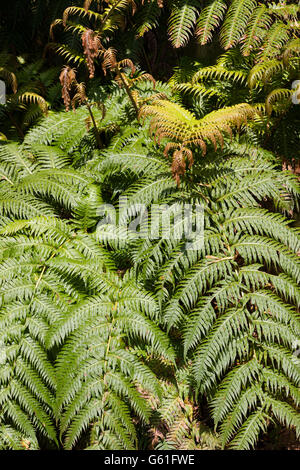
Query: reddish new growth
x,y
179,160
91,46
67,77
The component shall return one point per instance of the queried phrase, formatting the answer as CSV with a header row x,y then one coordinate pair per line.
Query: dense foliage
x,y
111,339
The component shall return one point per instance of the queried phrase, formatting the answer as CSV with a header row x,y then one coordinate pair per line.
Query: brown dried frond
x,y
80,96
189,155
109,59
127,63
180,158
121,79
146,77
202,145
170,146
67,78
87,4
134,8
178,165
136,97
91,47
80,89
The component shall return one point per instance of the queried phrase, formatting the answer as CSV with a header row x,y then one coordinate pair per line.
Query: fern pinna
x,y
86,312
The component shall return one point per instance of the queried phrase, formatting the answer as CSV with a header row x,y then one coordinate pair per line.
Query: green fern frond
x,y
276,97
250,431
236,20
264,71
276,38
182,22
209,19
147,17
259,23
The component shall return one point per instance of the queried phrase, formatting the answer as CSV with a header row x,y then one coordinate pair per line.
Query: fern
x,y
33,380
107,373
238,332
174,426
115,339
181,22
147,17
54,278
209,19
174,122
235,22
276,38
259,22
